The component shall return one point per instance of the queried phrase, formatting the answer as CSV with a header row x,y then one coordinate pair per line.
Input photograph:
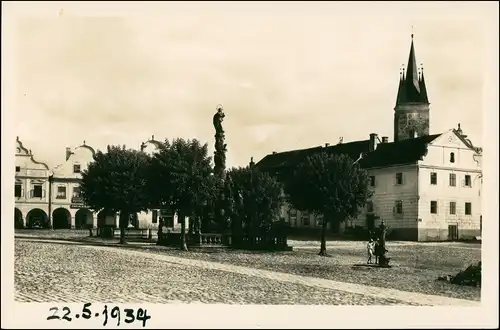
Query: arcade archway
x,y
106,218
37,218
134,220
61,219
18,219
83,219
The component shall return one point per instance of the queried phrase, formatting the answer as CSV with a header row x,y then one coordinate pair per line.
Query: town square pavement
x,y
51,271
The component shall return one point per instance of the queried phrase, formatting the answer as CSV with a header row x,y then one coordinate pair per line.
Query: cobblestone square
x,y
54,272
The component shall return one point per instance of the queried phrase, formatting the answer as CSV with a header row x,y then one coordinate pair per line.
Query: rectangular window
x,y
319,220
453,208
305,219
399,178
76,168
37,191
453,179
18,190
434,207
76,191
399,207
61,192
155,216
434,178
18,169
468,208
468,182
372,181
369,206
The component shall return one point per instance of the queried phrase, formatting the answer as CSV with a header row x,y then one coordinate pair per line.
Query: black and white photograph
x,y
186,164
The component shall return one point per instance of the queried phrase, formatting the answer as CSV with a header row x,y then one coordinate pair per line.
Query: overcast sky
x,y
292,75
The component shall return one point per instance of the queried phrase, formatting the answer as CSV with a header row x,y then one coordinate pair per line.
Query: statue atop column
x,y
220,146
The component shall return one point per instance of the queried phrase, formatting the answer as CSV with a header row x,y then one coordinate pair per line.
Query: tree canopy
x,y
257,198
115,181
180,178
330,185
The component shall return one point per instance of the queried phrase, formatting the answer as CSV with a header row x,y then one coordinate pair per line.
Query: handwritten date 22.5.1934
x,y
129,314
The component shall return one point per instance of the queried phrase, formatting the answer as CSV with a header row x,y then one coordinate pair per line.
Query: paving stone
x,y
45,271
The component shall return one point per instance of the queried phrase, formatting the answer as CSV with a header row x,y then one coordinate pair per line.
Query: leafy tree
x,y
328,185
115,181
180,178
257,199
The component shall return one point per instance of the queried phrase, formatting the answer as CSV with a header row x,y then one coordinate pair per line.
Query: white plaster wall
x,y
467,162
387,192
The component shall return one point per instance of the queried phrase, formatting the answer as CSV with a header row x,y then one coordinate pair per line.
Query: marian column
x,y
220,167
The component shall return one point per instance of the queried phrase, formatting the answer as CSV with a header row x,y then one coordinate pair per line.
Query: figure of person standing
x,y
370,249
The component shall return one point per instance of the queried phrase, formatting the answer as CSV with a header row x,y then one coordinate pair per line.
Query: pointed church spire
x,y
412,87
412,73
423,88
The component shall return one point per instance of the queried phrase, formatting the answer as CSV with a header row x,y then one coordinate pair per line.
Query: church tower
x,y
411,114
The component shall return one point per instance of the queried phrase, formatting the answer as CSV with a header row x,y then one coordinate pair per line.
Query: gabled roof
x,y
398,153
386,154
152,141
85,146
466,141
291,158
26,152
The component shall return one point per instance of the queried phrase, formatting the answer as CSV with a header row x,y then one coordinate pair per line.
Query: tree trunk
x,y
123,222
322,250
122,235
190,228
183,232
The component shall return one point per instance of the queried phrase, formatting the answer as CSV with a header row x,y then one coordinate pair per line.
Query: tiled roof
x,y
398,153
386,154
291,158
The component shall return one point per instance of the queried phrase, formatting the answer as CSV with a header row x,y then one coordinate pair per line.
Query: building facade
x,y
30,190
47,198
65,203
425,187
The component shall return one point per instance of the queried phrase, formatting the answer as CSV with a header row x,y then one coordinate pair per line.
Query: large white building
x,y
426,187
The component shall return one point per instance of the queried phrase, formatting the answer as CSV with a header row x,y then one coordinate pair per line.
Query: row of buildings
x,y
425,186
50,198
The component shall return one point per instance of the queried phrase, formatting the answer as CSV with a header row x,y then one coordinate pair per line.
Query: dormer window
x,y
452,157
76,168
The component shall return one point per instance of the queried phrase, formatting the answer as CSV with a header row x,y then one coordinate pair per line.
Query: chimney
x,y
327,145
385,139
373,142
274,152
68,152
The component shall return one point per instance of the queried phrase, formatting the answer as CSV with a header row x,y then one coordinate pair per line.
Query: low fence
x,y
130,234
270,243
